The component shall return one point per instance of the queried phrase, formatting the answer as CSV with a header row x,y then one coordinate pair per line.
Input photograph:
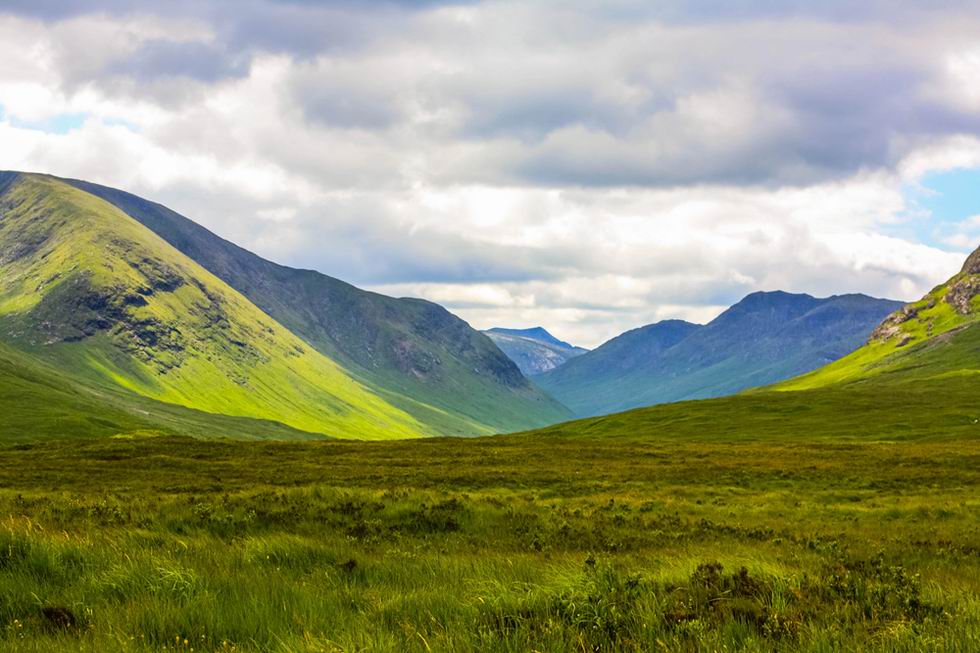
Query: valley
x,y
764,338
185,464
489,326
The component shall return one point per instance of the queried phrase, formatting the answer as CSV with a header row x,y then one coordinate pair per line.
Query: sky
x,y
586,165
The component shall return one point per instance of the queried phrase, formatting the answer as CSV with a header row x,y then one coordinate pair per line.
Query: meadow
x,y
510,543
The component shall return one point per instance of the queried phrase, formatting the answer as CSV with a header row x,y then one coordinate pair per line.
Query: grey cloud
x,y
589,93
381,251
620,93
865,112
361,241
167,59
724,11
337,97
61,9
677,11
825,104
303,28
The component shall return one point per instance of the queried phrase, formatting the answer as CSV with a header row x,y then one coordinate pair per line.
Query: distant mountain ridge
x,y
764,338
915,377
534,350
535,333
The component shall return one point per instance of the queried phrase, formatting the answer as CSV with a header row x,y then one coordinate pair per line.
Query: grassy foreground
x,y
500,544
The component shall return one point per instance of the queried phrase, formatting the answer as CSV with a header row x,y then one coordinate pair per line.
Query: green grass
x,y
832,519
38,402
101,298
822,520
498,544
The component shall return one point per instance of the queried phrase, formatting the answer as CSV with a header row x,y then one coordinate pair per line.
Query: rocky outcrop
x,y
972,265
961,293
892,325
958,294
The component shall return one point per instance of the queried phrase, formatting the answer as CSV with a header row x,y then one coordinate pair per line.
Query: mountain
x,y
118,292
533,350
413,353
915,378
933,338
766,337
99,297
538,334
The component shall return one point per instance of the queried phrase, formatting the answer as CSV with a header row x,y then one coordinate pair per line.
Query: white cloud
x,y
586,169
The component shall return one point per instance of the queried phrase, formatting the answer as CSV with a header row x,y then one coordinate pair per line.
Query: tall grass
x,y
318,550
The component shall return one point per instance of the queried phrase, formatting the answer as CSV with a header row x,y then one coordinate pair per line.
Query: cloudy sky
x,y
590,166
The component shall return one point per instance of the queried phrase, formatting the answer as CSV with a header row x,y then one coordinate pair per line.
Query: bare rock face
x,y
960,295
972,265
892,326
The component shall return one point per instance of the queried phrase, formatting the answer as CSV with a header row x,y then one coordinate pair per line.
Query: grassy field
x,y
835,518
512,543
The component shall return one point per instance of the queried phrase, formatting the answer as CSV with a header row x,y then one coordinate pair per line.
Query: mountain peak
x,y
972,265
534,350
538,333
767,298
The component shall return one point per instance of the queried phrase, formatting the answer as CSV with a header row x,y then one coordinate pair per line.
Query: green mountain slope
x,y
101,298
38,401
930,338
413,353
766,337
535,351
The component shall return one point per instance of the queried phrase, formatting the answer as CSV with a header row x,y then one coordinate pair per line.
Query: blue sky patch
x,y
941,202
61,123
